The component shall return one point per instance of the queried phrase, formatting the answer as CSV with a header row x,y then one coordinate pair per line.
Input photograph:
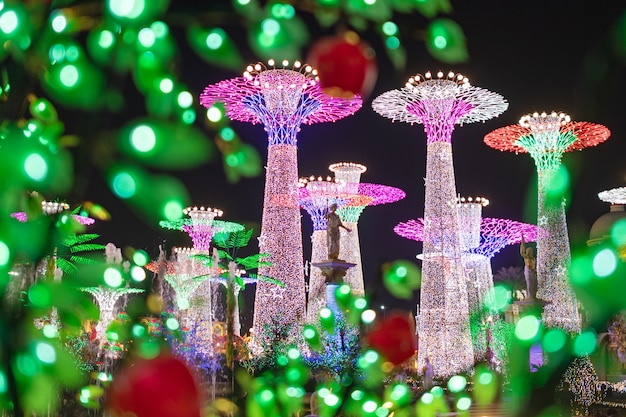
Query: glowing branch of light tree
x,y
546,137
439,103
282,99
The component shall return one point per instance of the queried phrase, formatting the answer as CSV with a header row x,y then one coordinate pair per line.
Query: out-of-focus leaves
x,y
215,47
165,144
446,42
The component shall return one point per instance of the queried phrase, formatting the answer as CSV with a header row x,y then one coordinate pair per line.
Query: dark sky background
x,y
541,55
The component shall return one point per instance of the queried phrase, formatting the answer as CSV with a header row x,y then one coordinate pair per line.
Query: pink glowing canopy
x,y
236,94
495,234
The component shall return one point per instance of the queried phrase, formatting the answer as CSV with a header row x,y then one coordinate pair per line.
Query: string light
x,y
439,104
546,137
282,99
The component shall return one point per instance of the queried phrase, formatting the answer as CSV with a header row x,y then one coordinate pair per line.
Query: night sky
x,y
541,55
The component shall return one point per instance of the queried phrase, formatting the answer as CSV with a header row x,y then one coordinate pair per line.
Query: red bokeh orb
x,y
159,387
394,337
346,65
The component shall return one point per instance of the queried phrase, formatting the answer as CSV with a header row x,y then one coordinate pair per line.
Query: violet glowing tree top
x,y
546,137
439,103
282,99
495,234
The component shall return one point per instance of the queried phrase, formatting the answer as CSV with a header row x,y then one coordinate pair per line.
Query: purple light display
x,y
282,99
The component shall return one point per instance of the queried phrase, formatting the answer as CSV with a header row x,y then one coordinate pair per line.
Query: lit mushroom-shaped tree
x,y
546,137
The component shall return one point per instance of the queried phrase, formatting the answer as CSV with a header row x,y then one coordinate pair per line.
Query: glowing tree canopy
x,y
282,99
613,196
546,137
201,226
315,196
53,207
361,195
439,103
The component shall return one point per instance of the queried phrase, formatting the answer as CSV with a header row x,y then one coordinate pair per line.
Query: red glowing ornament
x,y
394,337
159,387
346,65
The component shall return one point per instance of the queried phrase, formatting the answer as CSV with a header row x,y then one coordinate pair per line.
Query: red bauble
x,y
159,387
346,65
394,337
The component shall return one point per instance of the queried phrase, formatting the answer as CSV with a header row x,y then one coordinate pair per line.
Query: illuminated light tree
x,y
190,278
315,196
546,137
493,235
107,298
440,103
360,195
282,99
613,196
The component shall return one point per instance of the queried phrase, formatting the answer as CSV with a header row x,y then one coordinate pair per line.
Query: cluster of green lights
x,y
391,32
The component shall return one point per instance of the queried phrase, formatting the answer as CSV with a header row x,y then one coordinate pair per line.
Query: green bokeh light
x,y
5,254
215,39
604,263
69,76
618,232
45,352
553,340
584,343
390,28
527,328
9,22
463,403
124,185
172,210
137,273
113,277
498,299
457,383
143,138
214,114
581,270
129,9
36,167
140,257
392,42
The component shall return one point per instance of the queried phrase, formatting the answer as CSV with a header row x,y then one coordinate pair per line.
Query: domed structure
x,y
601,228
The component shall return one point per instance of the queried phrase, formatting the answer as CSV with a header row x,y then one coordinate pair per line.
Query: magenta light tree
x,y
282,99
315,196
439,103
546,137
360,195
